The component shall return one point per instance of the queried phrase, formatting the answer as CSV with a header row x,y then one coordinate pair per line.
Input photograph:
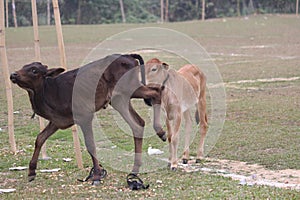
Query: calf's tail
x,y
202,102
138,57
143,75
142,66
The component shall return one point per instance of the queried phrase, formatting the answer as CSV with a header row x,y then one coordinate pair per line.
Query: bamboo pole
x,y
162,11
78,20
203,10
13,5
64,65
48,13
7,81
238,8
6,13
36,31
167,11
60,39
122,11
38,58
297,7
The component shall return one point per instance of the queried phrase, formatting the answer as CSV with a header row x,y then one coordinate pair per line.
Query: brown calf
x,y
183,89
73,97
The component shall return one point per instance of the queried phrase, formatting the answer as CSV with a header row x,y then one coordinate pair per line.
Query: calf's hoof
x,y
103,173
198,160
148,102
162,135
185,161
96,183
174,169
31,178
169,165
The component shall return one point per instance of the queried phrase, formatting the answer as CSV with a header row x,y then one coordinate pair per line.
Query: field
x,y
259,61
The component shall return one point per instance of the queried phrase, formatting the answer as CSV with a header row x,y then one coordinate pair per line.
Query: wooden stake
x,y
64,65
122,11
297,7
167,11
203,10
6,13
37,51
238,8
13,5
48,13
60,39
7,81
162,11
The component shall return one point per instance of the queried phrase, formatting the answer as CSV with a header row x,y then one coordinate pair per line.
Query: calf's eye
x,y
154,69
34,71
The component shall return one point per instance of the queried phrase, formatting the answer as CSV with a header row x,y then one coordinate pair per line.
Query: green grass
x,y
188,186
262,124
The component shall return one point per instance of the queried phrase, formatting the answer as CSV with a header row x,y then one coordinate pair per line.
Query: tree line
x,y
141,11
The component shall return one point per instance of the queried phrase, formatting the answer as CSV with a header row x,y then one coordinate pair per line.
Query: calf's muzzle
x,y
14,77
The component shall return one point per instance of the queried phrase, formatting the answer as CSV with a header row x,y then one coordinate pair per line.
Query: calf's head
x,y
156,71
31,76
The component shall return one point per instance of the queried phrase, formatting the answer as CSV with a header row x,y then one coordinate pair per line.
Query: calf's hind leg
x,y
203,128
87,130
136,124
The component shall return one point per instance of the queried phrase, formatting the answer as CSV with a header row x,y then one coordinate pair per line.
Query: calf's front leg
x,y
152,95
40,140
174,139
188,129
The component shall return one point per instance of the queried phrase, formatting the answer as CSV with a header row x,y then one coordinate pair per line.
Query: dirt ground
x,y
246,174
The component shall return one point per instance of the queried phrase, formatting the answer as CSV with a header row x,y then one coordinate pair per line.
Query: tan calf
x,y
184,89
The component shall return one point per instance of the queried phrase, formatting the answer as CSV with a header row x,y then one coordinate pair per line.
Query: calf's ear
x,y
165,66
54,72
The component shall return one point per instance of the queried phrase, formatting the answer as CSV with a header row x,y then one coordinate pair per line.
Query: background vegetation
x,y
141,11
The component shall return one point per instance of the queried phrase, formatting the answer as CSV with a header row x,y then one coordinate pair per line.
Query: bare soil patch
x,y
247,174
